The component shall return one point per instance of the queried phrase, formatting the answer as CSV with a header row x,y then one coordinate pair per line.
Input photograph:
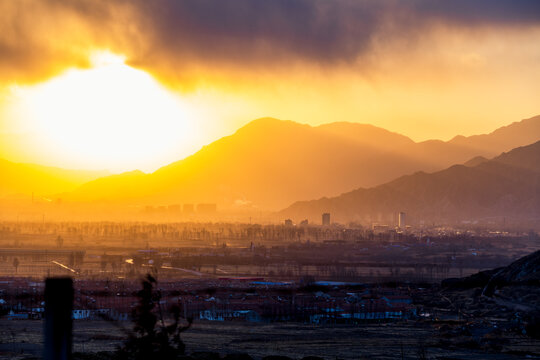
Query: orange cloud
x,y
425,68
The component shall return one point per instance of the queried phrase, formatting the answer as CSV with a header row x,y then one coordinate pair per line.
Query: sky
x,y
137,84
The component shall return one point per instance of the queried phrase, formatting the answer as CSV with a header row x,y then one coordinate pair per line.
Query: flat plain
x,y
22,339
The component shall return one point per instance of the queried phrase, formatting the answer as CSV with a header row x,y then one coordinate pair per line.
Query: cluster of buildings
x,y
318,308
399,221
325,221
242,299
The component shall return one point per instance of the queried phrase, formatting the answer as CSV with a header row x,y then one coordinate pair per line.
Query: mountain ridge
x,y
505,186
270,163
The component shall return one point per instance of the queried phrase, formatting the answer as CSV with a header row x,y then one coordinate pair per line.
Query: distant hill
x,y
367,135
503,139
267,163
24,179
477,160
440,154
270,163
506,186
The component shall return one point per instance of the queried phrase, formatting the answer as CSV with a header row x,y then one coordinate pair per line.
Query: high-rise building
x,y
401,220
326,219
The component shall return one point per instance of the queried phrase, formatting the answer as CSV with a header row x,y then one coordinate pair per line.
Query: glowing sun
x,y
109,116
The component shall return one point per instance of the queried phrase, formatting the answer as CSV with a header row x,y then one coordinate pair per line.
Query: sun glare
x,y
104,58
110,116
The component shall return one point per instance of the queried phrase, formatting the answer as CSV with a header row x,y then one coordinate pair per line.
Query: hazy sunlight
x,y
111,116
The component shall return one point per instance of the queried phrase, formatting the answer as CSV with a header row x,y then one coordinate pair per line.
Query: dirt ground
x,y
22,339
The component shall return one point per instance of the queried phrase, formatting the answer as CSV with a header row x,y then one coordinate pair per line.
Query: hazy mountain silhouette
x,y
460,149
477,160
507,137
41,180
506,186
267,163
270,163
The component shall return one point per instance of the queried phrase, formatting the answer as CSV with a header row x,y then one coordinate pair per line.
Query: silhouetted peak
x,y
475,161
458,138
268,123
511,134
366,133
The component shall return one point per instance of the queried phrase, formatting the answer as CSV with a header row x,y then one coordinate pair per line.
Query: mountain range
x,y
507,186
269,164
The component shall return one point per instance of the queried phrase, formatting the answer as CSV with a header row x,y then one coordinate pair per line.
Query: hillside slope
x,y
25,179
506,186
270,163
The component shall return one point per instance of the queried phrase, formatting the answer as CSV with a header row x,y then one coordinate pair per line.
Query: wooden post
x,y
58,322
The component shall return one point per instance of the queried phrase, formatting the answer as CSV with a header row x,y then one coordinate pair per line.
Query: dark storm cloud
x,y
171,34
479,12
266,30
319,30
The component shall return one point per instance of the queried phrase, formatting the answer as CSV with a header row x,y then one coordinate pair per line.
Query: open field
x,y
404,340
